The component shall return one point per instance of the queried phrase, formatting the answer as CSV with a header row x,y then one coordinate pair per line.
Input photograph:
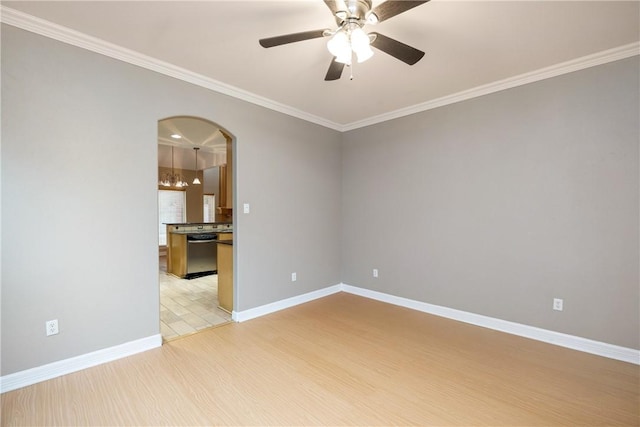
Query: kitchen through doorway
x,y
195,195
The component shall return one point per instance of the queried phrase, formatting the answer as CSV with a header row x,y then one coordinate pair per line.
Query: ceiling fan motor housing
x,y
355,9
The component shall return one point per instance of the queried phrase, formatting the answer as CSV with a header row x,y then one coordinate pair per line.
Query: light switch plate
x,y
246,208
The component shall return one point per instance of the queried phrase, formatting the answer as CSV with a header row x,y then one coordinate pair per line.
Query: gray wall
x,y
493,206
499,204
79,193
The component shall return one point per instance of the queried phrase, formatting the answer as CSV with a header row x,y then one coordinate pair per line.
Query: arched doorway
x,y
195,194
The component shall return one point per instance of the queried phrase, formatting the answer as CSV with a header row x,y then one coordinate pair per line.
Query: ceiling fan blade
x,y
334,5
335,70
291,38
391,8
403,52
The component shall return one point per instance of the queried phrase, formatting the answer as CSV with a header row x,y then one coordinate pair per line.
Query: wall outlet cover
x,y
51,327
558,304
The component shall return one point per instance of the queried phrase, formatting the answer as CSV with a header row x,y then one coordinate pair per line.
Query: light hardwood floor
x,y
341,360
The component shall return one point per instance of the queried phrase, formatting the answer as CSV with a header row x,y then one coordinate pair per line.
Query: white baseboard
x,y
557,338
252,313
56,369
74,364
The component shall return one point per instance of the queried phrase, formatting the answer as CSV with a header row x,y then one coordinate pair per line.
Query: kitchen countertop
x,y
199,228
197,223
201,231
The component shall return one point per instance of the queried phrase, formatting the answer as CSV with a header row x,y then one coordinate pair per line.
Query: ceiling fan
x,y
350,40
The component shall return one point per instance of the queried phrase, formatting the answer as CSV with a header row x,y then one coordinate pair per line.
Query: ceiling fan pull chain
x,y
351,69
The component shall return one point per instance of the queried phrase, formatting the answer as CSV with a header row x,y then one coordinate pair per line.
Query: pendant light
x,y
196,181
172,179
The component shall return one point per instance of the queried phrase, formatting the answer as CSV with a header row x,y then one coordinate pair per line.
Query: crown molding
x,y
75,38
66,35
599,58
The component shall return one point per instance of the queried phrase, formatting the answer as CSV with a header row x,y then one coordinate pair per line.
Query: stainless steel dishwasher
x,y
201,254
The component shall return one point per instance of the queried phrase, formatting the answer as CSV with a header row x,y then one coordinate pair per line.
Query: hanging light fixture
x,y
196,181
361,44
172,179
339,47
350,39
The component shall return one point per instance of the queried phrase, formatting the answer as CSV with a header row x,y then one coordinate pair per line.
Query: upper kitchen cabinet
x,y
224,211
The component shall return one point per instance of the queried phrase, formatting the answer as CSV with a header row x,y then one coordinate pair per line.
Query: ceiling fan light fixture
x,y
344,58
359,39
364,54
339,45
372,18
360,43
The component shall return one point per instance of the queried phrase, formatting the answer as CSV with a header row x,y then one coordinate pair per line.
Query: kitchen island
x,y
191,248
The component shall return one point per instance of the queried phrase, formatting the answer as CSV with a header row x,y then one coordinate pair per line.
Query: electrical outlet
x,y
51,327
558,304
294,277
375,272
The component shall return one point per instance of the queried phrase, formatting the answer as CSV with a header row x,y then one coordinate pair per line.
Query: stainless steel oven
x,y
201,254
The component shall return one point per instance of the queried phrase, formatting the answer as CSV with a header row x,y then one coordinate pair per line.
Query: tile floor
x,y
188,306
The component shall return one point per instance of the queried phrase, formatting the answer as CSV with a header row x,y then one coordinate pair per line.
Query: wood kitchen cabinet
x,y
225,236
225,272
177,254
224,210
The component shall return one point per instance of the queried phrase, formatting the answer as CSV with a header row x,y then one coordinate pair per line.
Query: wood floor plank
x,y
341,360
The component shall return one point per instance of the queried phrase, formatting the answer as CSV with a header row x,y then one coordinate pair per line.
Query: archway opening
x,y
195,225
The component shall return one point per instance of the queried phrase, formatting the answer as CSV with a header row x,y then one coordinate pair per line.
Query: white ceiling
x,y
468,45
194,133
